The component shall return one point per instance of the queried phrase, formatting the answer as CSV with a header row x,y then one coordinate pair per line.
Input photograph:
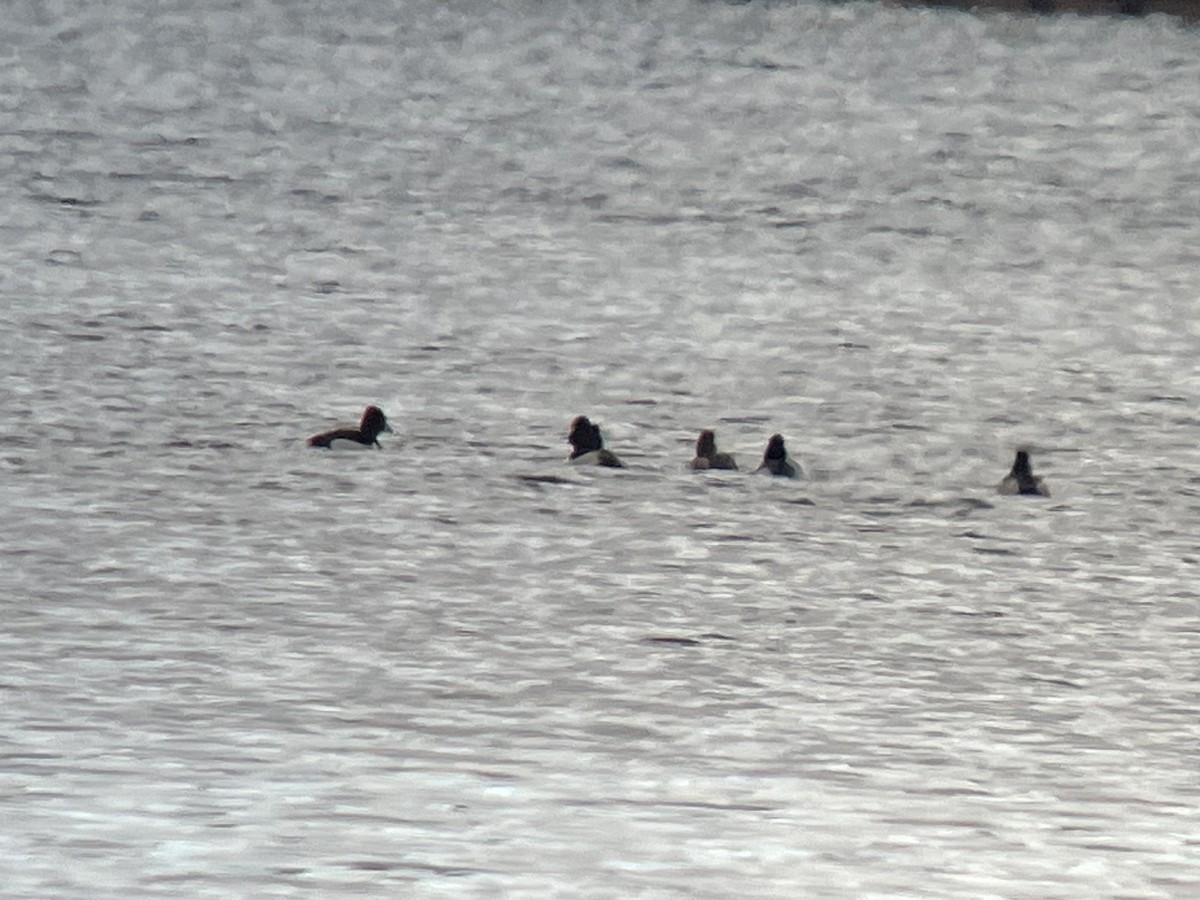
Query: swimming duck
x,y
775,459
373,423
707,455
587,446
1021,479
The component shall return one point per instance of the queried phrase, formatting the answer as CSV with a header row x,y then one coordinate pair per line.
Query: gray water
x,y
908,240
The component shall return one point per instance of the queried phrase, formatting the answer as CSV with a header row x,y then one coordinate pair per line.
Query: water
x,y
908,240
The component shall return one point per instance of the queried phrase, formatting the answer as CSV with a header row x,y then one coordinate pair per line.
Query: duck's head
x,y
584,436
374,423
775,448
1021,467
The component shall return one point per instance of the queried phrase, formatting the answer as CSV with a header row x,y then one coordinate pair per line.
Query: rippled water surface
x,y
907,240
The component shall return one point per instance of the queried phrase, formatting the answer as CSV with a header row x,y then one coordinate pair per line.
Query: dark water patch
x,y
374,865
904,232
764,65
627,163
315,196
799,501
181,444
1058,682
744,420
64,258
233,627
544,479
664,219
164,141
883,498
909,426
698,804
720,480
74,336
343,250
181,178
1110,847
29,757
978,613
66,134
120,406
967,503
669,804
270,484
630,218
954,792
800,190
673,641
42,197
523,194
18,440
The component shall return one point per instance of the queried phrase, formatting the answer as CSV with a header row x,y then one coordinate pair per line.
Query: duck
x,y
775,459
366,435
1021,479
707,455
587,446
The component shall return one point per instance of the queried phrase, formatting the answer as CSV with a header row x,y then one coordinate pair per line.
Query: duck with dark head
x,y
776,461
1021,480
365,436
587,446
707,454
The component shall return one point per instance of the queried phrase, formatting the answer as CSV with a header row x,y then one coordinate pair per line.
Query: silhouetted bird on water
x,y
587,446
775,459
366,435
1021,479
707,454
